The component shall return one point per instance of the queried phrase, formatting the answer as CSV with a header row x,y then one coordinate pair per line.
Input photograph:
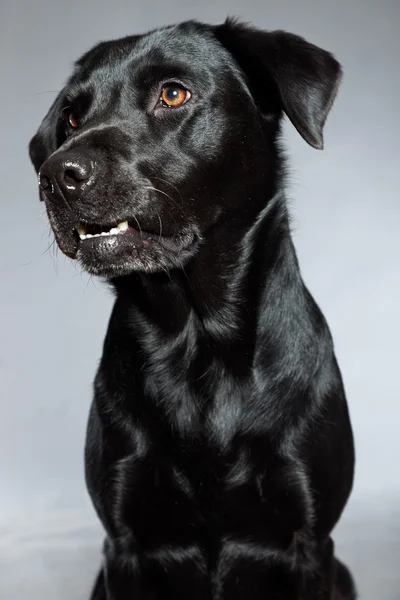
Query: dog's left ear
x,y
306,76
45,141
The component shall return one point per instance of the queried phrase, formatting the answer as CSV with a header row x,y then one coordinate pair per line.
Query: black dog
x,y
219,451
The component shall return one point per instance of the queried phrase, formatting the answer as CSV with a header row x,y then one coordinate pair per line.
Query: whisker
x,y
138,224
170,184
159,218
49,247
169,197
154,189
47,92
90,280
166,272
184,272
54,257
79,272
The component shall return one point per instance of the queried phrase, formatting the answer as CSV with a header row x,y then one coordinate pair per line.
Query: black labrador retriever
x,y
219,451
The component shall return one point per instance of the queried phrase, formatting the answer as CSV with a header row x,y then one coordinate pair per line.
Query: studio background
x,y
346,216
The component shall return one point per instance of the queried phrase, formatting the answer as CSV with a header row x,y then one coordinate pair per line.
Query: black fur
x,y
219,451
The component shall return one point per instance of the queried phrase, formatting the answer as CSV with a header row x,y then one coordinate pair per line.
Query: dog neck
x,y
229,289
241,318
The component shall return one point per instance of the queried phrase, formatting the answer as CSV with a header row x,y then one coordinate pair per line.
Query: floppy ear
x,y
46,140
306,77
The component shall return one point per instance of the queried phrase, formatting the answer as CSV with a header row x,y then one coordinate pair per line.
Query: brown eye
x,y
174,96
72,121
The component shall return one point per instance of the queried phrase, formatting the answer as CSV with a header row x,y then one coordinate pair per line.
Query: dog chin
x,y
123,267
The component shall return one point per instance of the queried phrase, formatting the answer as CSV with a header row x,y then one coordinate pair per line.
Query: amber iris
x,y
174,96
72,121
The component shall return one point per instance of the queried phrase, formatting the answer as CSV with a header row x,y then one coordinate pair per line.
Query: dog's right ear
x,y
46,141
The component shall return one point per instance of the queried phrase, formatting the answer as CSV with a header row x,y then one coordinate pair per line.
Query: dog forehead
x,y
177,42
173,46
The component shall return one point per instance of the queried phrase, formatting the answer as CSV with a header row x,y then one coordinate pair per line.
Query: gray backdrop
x,y
53,318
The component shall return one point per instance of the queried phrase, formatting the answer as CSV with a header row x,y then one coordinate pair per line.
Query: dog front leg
x,y
248,570
166,573
123,577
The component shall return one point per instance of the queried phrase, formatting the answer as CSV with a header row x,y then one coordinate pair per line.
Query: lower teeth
x,y
103,233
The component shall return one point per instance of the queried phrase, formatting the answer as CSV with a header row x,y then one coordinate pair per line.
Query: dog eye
x,y
173,96
72,121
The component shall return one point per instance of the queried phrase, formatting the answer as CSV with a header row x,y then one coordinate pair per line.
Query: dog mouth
x,y
90,231
121,247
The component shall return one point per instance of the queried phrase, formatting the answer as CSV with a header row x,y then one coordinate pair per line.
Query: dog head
x,y
156,139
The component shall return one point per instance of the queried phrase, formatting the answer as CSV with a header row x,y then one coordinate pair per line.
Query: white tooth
x,y
82,236
114,231
123,226
89,235
104,233
81,229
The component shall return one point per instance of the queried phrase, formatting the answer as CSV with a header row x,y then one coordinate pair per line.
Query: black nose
x,y
66,172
